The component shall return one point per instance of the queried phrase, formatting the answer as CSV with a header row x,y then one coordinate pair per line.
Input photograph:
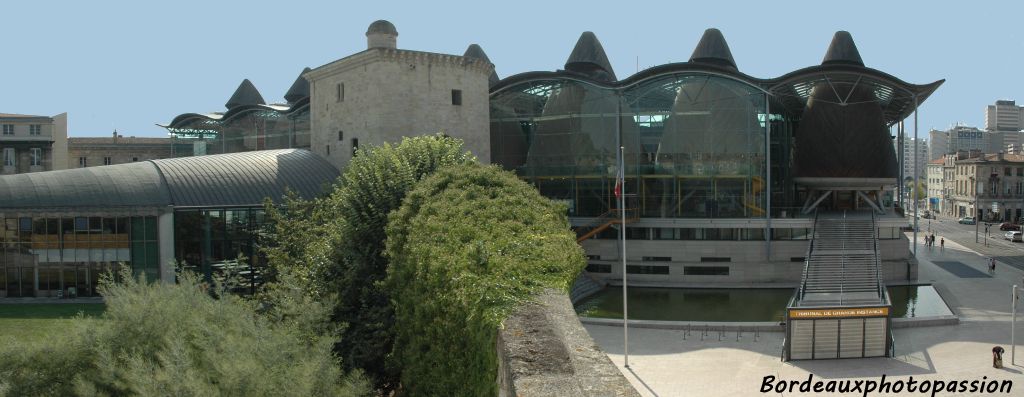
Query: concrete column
x,y
165,231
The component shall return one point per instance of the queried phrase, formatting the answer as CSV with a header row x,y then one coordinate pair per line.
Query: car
x,y
1013,236
967,220
1008,226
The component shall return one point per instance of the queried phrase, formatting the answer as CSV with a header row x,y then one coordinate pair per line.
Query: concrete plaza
x,y
665,362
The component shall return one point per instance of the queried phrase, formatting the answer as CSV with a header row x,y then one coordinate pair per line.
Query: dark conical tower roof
x,y
842,50
474,51
299,89
713,49
588,57
246,94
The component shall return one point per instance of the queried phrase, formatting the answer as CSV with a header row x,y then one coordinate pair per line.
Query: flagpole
x,y
622,226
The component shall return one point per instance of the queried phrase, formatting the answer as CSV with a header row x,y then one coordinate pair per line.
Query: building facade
x,y
989,187
118,149
1004,115
382,94
716,183
33,143
936,175
912,164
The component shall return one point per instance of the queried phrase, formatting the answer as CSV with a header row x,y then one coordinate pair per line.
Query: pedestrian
x,y
992,264
997,357
942,243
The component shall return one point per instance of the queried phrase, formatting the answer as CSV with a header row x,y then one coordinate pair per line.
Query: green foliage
x,y
163,339
335,244
469,245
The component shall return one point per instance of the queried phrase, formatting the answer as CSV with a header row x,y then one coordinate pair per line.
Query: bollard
x,y
686,332
739,333
757,333
721,333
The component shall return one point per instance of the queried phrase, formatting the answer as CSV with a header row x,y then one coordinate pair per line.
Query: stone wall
x,y
543,350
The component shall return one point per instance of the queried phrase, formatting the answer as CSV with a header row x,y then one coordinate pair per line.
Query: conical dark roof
x,y
474,51
246,94
299,89
588,57
713,49
842,50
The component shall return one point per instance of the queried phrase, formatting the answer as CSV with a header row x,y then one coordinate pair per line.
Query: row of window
x,y
33,129
11,157
662,270
107,160
725,234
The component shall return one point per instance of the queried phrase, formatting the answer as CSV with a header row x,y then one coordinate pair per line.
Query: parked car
x,y
967,220
1013,236
1008,226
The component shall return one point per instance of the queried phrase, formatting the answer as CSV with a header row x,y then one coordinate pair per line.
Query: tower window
x,y
457,97
341,135
328,150
341,92
107,160
355,145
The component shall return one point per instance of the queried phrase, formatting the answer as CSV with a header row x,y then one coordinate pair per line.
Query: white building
x,y
1004,115
909,159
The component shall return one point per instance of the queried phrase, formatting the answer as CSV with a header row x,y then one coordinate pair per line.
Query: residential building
x,y
32,143
909,160
938,144
118,149
1004,115
936,184
990,187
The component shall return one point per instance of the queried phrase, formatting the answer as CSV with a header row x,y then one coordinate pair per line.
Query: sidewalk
x,y
667,363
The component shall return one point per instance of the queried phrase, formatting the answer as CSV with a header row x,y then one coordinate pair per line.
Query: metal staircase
x,y
842,267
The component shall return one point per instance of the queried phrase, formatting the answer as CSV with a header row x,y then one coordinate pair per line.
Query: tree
x,y
336,243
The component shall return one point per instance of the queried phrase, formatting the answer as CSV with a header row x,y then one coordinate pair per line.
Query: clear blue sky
x,y
129,64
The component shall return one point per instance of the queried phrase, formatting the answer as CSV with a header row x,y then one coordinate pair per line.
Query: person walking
x,y
997,357
992,265
942,243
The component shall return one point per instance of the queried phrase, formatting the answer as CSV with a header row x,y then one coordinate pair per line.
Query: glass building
x,y
248,124
709,153
62,229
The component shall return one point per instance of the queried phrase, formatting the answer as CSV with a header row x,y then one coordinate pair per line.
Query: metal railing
x,y
878,262
807,258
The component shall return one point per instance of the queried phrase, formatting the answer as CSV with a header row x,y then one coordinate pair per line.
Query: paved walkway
x,y
663,363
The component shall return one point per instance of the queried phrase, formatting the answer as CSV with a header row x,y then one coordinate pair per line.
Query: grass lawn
x,y
37,321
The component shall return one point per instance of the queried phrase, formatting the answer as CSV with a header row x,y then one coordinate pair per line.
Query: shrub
x,y
469,245
163,339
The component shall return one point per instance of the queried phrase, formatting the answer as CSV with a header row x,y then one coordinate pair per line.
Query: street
x,y
946,227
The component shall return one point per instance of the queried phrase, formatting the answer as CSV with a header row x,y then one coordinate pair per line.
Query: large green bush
x,y
164,339
335,244
469,245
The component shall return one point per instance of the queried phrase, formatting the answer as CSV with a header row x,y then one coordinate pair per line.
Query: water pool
x,y
736,304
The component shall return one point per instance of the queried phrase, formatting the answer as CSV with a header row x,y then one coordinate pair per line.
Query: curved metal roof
x,y
589,59
299,89
234,179
840,67
214,117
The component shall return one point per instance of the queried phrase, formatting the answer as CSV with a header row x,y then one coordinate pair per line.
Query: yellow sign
x,y
836,313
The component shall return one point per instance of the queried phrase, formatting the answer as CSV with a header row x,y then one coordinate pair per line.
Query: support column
x,y
165,232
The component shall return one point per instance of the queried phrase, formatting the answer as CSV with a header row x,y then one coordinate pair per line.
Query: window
x,y
8,129
715,259
638,269
599,268
797,259
340,94
35,129
135,159
657,259
328,150
355,145
37,156
341,135
82,162
107,160
457,97
706,271
9,157
594,257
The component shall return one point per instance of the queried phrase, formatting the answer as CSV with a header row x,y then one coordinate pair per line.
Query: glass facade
x,y
247,130
64,256
694,144
211,240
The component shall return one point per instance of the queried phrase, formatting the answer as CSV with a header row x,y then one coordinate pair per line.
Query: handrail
x,y
782,354
807,257
611,217
878,263
892,346
842,260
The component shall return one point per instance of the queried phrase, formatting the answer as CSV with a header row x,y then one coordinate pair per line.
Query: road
x,y
945,227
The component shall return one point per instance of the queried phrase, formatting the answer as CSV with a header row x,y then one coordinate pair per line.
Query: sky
x,y
129,65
